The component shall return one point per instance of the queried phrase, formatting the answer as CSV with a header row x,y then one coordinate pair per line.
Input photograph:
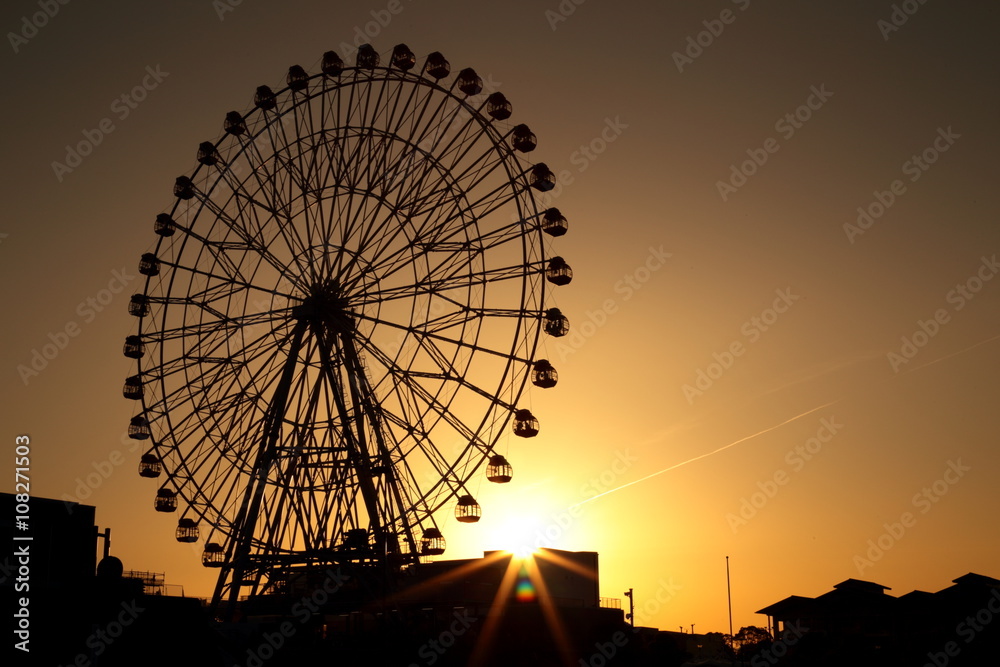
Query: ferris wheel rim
x,y
522,348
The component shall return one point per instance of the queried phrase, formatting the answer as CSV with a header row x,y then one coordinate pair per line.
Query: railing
x,y
152,583
148,578
611,603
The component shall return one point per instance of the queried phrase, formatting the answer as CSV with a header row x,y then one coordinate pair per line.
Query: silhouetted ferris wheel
x,y
339,319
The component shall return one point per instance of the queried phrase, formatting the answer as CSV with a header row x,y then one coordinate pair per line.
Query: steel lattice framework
x,y
340,316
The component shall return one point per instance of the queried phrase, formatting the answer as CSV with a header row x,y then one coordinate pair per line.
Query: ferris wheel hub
x,y
326,305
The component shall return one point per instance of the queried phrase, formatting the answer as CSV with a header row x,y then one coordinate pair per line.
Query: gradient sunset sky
x,y
784,230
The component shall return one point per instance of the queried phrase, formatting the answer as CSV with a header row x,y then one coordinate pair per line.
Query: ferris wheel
x,y
340,317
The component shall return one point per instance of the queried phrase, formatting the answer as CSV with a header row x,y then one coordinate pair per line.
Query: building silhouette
x,y
86,614
860,622
494,610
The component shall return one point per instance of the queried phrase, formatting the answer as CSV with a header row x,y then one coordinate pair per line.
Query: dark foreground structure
x,y
543,609
859,623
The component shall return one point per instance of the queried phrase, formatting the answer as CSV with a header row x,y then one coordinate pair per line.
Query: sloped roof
x,y
789,605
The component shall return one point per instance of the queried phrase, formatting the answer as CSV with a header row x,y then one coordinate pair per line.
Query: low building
x,y
860,621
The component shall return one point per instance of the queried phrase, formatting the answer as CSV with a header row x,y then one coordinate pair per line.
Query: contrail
x,y
771,428
953,354
707,454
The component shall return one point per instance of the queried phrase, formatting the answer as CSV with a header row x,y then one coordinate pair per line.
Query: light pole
x,y
729,595
630,616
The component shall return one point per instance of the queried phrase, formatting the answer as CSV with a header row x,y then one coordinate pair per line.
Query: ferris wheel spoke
x,y
227,324
435,239
408,195
417,195
243,297
449,374
509,233
496,312
373,177
220,287
419,406
403,190
479,208
430,400
214,373
473,170
191,424
393,126
240,199
439,359
211,480
325,180
254,239
448,321
456,121
435,286
351,182
205,481
211,405
305,135
278,209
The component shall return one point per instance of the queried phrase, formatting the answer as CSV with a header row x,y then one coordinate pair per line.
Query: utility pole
x,y
630,616
729,594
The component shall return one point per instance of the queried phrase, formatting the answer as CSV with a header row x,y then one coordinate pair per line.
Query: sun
x,y
523,552
518,533
523,524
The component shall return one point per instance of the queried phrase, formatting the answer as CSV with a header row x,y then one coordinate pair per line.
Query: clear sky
x,y
784,234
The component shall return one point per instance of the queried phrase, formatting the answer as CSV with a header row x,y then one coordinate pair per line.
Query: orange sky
x,y
728,290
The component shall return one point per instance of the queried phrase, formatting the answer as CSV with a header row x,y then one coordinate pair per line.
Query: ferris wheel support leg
x,y
358,379
250,509
355,441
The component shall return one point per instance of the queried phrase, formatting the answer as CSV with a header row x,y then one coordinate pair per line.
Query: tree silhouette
x,y
751,639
